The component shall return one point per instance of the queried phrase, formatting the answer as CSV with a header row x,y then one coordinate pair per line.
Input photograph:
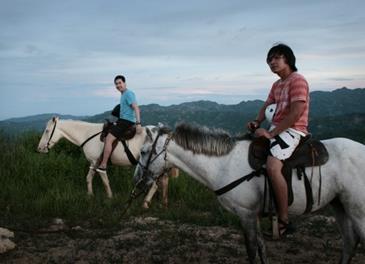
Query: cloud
x,y
106,92
68,52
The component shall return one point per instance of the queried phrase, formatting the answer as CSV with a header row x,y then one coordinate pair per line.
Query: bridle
x,y
133,195
50,138
151,159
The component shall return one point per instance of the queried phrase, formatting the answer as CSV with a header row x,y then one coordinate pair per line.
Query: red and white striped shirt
x,y
284,92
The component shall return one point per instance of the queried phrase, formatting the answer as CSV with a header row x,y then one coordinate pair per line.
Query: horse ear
x,y
55,118
149,134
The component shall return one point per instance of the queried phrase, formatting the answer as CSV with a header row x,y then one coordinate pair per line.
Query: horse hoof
x,y
145,205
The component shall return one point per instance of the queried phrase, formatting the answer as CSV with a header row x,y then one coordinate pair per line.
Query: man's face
x,y
120,85
277,63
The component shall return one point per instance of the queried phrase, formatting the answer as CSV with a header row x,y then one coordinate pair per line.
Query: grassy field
x,y
35,188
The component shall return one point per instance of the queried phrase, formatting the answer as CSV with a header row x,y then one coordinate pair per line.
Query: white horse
x,y
215,159
78,132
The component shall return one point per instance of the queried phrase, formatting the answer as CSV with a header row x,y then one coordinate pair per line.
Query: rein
x,y
237,182
89,138
82,144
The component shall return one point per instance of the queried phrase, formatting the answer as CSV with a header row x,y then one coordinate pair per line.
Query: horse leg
x,y
249,225
89,180
105,179
165,189
350,238
261,243
149,196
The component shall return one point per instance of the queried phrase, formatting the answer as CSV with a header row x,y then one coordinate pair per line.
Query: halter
x,y
150,160
49,140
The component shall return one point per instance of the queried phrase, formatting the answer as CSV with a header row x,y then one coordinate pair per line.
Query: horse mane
x,y
204,140
80,122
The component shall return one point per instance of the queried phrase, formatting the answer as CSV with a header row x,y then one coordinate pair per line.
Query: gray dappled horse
x,y
215,159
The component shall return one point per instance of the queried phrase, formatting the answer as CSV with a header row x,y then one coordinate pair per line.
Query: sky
x,y
62,56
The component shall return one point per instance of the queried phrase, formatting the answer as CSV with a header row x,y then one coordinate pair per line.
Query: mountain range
x,y
336,113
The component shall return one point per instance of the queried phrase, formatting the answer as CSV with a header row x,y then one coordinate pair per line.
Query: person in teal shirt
x,y
127,100
129,116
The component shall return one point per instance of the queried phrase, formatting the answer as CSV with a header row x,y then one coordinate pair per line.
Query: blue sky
x,y
62,56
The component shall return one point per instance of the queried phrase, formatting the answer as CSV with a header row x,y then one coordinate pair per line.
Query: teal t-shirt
x,y
126,110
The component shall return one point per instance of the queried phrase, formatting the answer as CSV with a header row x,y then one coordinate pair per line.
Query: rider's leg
x,y
108,148
274,167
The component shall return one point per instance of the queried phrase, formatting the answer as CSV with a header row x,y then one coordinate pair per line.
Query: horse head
x,y
50,136
152,162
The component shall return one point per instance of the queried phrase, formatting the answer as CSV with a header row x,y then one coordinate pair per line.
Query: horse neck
x,y
77,131
212,171
201,167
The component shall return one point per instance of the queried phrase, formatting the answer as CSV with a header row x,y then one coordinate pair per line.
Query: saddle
x,y
129,134
309,153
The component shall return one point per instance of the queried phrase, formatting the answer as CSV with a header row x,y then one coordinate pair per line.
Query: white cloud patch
x,y
68,53
106,92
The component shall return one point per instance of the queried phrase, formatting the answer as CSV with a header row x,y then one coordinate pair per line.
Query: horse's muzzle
x,y
42,150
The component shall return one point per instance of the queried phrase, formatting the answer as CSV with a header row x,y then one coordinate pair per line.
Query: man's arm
x,y
261,116
138,112
252,125
138,117
296,110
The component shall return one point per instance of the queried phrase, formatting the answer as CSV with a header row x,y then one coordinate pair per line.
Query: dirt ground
x,y
150,240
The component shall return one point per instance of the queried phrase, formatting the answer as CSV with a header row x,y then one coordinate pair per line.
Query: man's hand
x,y
261,132
253,125
138,129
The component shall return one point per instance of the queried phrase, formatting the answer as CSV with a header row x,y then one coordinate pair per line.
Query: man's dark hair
x,y
119,77
286,51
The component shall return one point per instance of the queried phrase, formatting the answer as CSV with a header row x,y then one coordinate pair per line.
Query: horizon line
x,y
201,100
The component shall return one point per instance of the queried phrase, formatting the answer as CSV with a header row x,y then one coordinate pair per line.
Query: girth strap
x,y
237,182
130,156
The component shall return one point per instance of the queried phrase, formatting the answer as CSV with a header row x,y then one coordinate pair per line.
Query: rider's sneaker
x,y
101,170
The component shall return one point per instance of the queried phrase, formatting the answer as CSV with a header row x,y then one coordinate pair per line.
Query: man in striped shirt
x,y
289,123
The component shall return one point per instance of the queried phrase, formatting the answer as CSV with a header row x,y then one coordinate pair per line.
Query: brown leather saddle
x,y
309,153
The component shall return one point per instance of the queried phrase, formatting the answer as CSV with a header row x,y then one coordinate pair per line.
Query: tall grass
x,y
35,188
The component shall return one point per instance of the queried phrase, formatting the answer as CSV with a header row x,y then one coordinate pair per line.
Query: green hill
x,y
339,112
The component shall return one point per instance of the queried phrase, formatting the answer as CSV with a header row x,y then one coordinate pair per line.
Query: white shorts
x,y
283,145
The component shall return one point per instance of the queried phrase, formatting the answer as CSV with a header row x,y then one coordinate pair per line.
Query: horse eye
x,y
47,130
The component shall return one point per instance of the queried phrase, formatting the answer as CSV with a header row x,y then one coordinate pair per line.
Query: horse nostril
x,y
41,150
